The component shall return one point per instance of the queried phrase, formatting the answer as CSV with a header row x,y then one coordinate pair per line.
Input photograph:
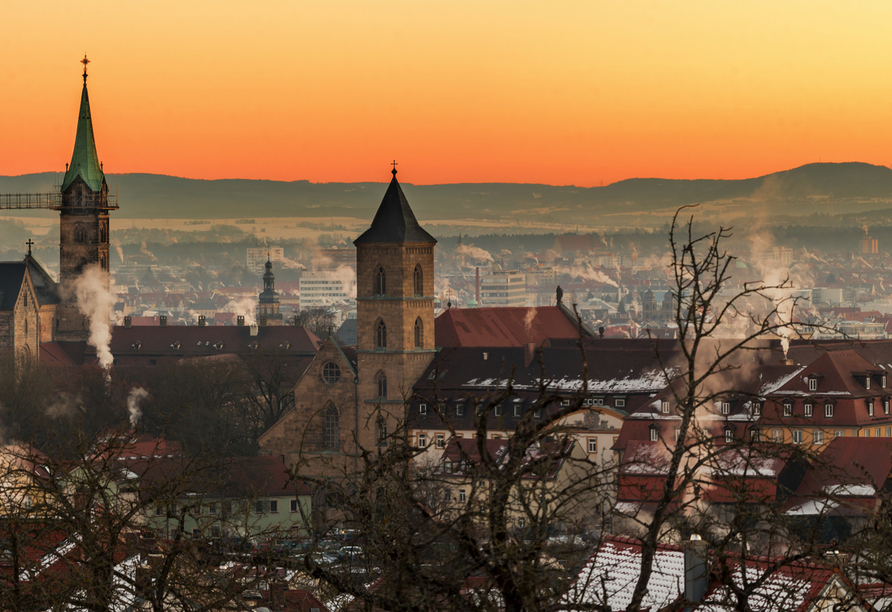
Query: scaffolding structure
x,y
53,201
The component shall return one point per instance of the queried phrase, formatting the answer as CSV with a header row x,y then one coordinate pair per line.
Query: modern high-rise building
x,y
504,289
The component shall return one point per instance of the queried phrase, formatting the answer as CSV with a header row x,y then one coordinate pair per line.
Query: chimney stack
x,y
240,320
477,285
696,569
128,321
202,321
262,321
162,320
529,353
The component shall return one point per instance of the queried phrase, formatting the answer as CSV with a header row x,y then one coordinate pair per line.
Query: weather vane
x,y
394,164
85,61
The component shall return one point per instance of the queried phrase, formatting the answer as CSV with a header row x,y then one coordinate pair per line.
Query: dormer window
x,y
664,407
812,384
757,409
883,381
726,408
869,406
886,406
828,411
422,409
788,410
867,382
808,409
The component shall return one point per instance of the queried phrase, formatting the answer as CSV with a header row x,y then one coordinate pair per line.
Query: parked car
x,y
351,553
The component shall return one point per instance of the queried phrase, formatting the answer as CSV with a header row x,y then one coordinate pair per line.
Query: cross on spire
x,y
29,243
85,61
394,164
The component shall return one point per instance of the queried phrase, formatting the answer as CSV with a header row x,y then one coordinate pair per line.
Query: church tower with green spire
x,y
83,223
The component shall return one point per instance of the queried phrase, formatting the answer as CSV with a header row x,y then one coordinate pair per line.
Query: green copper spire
x,y
85,159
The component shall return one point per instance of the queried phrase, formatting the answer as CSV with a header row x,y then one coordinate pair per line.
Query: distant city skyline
x,y
567,93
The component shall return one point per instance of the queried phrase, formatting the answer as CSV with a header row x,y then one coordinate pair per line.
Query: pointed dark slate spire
x,y
394,221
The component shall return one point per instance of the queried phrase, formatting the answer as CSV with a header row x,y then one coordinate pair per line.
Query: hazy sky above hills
x,y
458,91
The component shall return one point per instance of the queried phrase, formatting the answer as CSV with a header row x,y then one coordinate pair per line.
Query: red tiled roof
x,y
502,327
835,370
62,353
849,461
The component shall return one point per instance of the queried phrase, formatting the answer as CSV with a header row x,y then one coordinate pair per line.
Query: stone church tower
x,y
268,300
83,223
394,311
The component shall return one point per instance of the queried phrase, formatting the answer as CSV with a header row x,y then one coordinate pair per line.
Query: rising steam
x,y
244,307
473,252
588,273
137,395
95,302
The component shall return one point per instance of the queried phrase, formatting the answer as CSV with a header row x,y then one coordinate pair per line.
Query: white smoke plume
x,y
145,251
95,302
64,406
528,320
137,395
473,252
245,307
347,276
291,264
588,273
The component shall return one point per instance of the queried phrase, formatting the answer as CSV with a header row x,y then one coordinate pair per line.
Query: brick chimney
x,y
128,321
202,321
162,320
477,288
240,320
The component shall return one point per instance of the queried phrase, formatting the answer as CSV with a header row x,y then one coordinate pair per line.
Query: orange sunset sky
x,y
457,91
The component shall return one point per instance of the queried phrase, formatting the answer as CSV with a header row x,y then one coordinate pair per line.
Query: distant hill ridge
x,y
160,196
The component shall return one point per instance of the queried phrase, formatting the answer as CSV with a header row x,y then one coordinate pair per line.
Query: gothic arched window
x,y
419,333
331,439
419,280
380,281
80,234
381,382
381,334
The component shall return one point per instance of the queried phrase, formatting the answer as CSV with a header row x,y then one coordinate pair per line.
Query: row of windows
x,y
260,506
381,334
381,281
497,411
